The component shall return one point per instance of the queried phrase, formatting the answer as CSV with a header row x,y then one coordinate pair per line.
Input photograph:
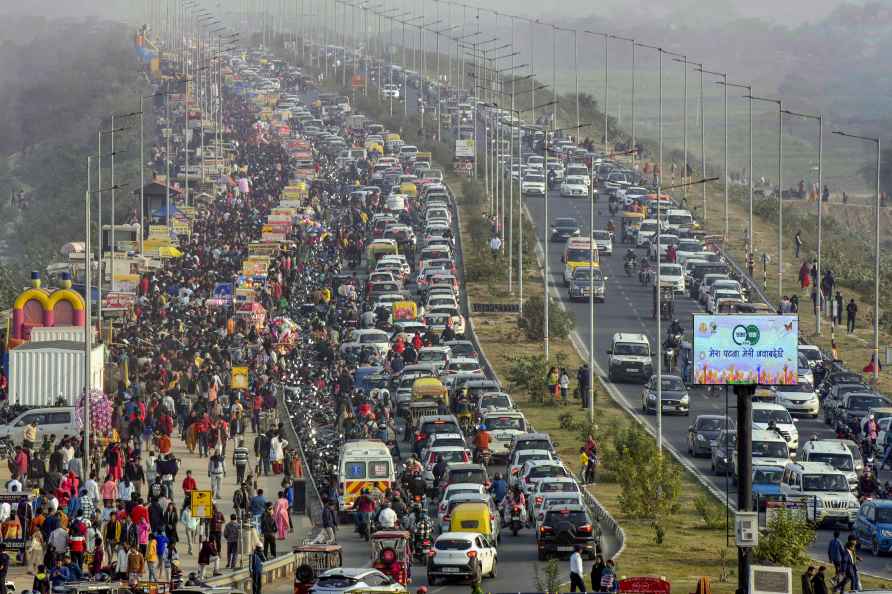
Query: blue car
x,y
873,526
766,485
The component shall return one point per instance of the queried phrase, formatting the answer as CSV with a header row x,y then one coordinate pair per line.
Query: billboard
x,y
465,149
746,349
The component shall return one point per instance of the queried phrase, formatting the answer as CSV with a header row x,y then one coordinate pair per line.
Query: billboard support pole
x,y
744,472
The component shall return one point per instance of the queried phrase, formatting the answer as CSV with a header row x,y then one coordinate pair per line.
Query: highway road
x,y
628,308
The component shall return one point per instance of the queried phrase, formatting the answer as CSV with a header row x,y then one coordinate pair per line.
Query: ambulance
x,y
363,464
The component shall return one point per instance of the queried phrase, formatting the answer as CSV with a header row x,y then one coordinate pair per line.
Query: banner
x,y
746,349
117,301
223,291
239,378
465,149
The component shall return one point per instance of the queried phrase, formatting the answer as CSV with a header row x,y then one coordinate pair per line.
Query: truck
x,y
40,373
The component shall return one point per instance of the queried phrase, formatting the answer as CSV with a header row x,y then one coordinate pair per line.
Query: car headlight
x,y
684,399
700,437
886,533
651,396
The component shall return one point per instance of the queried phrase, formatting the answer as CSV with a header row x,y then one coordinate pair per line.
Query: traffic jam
x,y
422,461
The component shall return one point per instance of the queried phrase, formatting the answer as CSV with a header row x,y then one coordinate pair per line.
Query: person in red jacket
x,y
189,483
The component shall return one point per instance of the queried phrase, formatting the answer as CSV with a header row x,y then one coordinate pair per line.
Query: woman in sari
x,y
280,513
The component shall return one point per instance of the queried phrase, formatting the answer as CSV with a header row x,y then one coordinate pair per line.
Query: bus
x,y
579,251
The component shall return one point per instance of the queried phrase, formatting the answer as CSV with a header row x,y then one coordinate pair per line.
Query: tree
x,y
532,322
528,373
650,482
785,541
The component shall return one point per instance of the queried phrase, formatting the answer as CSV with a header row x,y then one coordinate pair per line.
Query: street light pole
x,y
724,84
820,119
749,235
780,191
876,270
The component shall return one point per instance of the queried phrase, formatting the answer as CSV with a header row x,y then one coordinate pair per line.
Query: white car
x,y
494,401
603,241
563,484
458,320
343,580
454,490
503,426
368,337
452,455
391,91
552,500
666,239
646,232
533,184
539,470
766,412
520,458
466,555
574,186
463,365
798,399
687,248
672,275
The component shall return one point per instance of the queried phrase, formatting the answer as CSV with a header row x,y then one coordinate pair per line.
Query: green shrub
x,y
532,322
786,540
712,514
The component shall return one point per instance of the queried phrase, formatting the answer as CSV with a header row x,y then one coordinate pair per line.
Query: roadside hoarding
x,y
117,301
202,504
746,349
465,149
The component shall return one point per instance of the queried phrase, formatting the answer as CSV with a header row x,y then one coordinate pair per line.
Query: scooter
x,y
516,521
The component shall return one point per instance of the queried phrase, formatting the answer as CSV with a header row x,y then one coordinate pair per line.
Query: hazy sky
x,y
789,12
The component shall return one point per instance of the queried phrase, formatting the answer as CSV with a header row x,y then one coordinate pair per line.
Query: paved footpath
x,y
271,485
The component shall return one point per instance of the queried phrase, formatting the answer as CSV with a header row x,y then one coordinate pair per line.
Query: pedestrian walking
x,y
208,555
240,460
190,524
849,569
838,307
851,313
582,380
495,246
577,583
598,568
565,385
608,577
216,472
819,581
798,242
255,569
268,530
805,274
808,580
835,551
231,534
329,523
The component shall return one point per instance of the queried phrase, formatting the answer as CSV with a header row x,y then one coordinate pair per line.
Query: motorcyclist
x,y
481,441
386,516
630,256
499,488
439,469
364,506
514,497
611,228
413,466
867,484
423,526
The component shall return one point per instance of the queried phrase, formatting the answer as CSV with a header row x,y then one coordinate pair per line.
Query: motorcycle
x,y
484,456
516,521
630,265
421,547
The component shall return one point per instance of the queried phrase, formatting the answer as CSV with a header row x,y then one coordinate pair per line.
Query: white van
x,y
678,219
766,412
503,426
833,452
363,464
59,421
824,489
769,449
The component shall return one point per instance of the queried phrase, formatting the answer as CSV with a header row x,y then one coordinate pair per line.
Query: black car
x,y
673,394
581,285
723,450
562,529
563,229
703,432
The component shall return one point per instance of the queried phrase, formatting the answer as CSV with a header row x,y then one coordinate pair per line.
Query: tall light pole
x,y
820,119
876,263
780,190
606,37
749,234
634,153
724,84
660,53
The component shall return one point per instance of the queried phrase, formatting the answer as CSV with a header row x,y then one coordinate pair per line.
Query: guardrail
x,y
312,498
279,568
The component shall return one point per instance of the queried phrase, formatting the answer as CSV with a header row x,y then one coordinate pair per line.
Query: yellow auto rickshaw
x,y
378,248
473,516
429,388
409,189
631,222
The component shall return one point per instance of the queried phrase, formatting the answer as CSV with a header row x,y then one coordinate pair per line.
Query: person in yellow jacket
x,y
152,557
